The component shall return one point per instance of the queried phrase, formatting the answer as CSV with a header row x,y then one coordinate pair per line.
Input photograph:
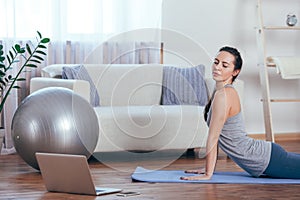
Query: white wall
x,y
214,23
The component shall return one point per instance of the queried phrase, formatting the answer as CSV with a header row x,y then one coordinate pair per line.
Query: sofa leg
x,y
190,152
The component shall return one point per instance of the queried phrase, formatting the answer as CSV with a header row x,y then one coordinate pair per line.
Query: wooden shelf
x,y
284,100
263,63
270,64
281,27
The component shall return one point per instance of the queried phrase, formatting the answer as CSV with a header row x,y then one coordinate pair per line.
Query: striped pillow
x,y
79,72
184,86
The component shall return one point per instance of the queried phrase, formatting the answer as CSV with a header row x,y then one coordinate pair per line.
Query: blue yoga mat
x,y
168,176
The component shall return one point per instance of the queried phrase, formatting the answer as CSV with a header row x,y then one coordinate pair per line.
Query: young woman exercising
x,y
226,128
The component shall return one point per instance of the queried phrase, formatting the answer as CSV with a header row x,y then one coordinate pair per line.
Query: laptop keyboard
x,y
99,190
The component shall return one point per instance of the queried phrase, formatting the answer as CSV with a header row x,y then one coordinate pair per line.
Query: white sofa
x,y
130,114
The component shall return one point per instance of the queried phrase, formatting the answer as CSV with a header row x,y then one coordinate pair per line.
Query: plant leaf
x,y
28,49
15,50
45,40
2,58
36,61
22,50
38,57
40,35
31,65
41,52
21,79
18,48
9,61
42,46
11,55
16,87
2,82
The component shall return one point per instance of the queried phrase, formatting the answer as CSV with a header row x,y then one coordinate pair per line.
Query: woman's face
x,y
223,67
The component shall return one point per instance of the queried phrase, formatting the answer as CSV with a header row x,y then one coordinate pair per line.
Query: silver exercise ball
x,y
54,120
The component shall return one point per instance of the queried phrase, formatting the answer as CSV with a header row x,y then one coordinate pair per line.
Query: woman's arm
x,y
220,110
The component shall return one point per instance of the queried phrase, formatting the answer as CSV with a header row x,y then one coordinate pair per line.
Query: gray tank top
x,y
251,155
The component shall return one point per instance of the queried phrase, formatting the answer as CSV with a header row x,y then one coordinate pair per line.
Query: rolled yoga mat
x,y
168,176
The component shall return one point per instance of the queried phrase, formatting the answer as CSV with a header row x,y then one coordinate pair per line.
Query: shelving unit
x,y
263,65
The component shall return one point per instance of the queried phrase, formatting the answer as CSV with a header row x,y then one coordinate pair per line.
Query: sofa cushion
x,y
184,86
127,84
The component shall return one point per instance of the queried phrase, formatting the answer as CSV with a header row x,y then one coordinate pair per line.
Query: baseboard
x,y
279,137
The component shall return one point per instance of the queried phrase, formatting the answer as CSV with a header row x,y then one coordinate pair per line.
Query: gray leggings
x,y
283,164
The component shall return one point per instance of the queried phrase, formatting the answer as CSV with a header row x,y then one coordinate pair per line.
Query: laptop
x,y
69,174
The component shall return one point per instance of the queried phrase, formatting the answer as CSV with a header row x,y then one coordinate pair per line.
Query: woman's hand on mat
x,y
196,171
196,178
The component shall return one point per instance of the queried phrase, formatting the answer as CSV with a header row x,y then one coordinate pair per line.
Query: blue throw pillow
x,y
184,86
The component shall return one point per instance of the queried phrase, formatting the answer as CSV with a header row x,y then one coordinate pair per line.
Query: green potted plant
x,y
31,55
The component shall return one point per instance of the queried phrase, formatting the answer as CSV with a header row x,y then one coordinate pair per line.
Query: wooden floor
x,y
20,181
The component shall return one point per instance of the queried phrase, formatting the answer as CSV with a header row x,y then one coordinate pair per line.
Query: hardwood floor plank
x,y
20,181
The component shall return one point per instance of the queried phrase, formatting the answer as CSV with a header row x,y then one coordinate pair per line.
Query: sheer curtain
x,y
87,23
77,19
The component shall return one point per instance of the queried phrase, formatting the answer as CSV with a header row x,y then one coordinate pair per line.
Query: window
x,y
76,19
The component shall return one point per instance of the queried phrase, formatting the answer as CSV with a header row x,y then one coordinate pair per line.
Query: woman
x,y
226,127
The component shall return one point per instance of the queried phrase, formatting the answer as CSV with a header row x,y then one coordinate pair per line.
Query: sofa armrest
x,y
80,87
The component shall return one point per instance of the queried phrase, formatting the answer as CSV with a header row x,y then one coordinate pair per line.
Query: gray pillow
x,y
79,72
184,86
